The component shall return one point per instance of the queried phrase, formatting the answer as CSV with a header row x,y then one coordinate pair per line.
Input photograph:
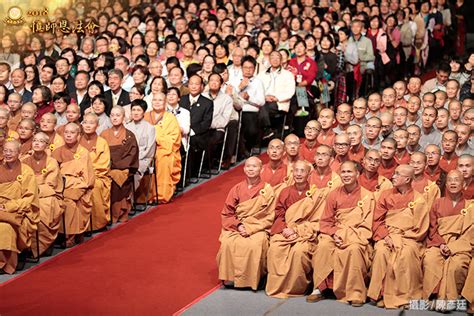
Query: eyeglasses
x,y
313,129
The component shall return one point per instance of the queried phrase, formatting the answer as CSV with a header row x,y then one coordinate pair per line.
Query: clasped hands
x,y
289,233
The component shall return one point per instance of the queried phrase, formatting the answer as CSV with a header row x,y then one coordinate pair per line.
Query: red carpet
x,y
156,264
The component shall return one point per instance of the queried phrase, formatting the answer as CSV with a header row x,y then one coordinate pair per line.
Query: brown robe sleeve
x,y
228,215
434,238
380,230
328,219
280,209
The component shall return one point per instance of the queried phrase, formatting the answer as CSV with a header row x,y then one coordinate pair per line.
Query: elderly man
x,y
401,220
293,234
76,167
369,177
99,153
342,145
4,120
26,130
465,164
124,163
19,213
50,186
421,184
246,217
357,150
47,125
388,164
449,242
308,148
342,253
275,171
14,104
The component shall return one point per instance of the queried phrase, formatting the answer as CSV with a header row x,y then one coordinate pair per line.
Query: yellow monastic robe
x,y
429,189
468,290
243,259
55,143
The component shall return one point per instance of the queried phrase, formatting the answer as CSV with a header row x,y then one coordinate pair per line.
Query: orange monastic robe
x,y
76,167
20,214
50,185
243,259
448,165
376,184
468,290
55,141
307,153
404,159
167,158
349,215
389,170
99,153
327,138
357,154
14,121
428,188
397,275
452,225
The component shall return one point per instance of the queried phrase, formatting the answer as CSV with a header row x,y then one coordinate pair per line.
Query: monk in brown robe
x,y
50,186
357,150
326,119
99,153
369,178
402,156
73,115
388,163
124,163
433,171
246,218
421,184
4,119
449,158
19,213
26,130
401,221
308,148
292,151
274,172
76,167
47,125
449,243
293,236
15,104
342,145
341,260
465,164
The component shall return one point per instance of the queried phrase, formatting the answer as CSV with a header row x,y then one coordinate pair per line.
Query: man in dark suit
x,y
116,95
63,68
18,78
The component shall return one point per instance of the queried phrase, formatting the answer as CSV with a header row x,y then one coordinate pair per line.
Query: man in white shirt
x,y
279,87
235,70
122,63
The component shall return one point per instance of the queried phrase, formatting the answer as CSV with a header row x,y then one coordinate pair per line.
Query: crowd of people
x,y
159,93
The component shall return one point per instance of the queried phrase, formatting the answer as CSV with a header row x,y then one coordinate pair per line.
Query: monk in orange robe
x,y
449,158
402,157
326,119
73,115
19,213
357,150
76,167
47,125
124,164
342,256
14,103
5,118
293,236
292,151
388,163
167,157
50,187
308,148
369,177
99,153
421,184
449,243
26,130
341,145
275,171
465,164
433,171
401,221
246,218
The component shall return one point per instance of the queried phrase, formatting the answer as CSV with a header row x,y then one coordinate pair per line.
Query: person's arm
x,y
228,215
280,210
434,238
380,230
328,219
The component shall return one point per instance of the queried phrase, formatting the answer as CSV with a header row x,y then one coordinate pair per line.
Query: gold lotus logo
x,y
14,16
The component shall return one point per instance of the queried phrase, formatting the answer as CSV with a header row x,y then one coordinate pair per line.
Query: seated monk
x,y
292,151
167,155
246,217
274,172
357,150
293,236
342,256
73,115
342,145
29,111
19,213
388,164
401,221
76,167
326,119
322,176
401,155
421,184
99,153
50,186
308,148
433,170
47,125
449,249
449,159
124,164
369,177
465,164
26,130
4,119
14,104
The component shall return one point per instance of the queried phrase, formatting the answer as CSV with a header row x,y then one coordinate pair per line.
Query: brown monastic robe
x,y
429,189
376,184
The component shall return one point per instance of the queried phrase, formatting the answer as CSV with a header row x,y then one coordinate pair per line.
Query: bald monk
x,y
47,125
50,187
73,115
293,236
246,218
326,119
449,242
388,147
322,176
401,221
449,158
292,150
19,213
124,164
341,260
342,145
274,172
402,156
433,171
99,153
4,120
29,111
369,178
26,130
357,150
76,167
421,184
308,148
465,165
14,103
